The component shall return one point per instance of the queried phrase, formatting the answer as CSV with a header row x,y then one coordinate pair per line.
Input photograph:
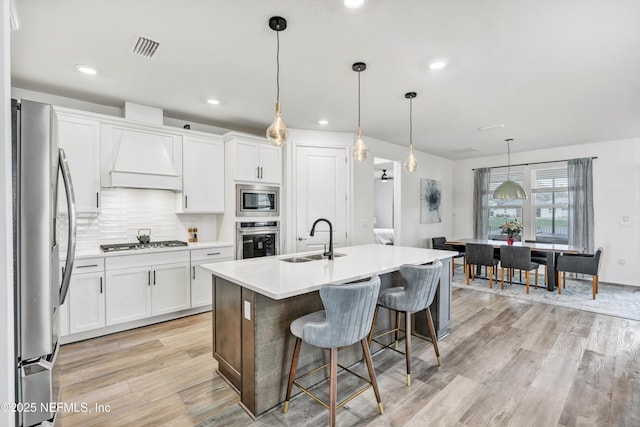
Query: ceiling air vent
x,y
144,46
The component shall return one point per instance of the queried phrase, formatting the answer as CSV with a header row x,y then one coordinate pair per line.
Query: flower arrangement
x,y
512,228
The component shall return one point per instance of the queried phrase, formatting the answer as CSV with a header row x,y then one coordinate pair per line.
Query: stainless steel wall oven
x,y
257,239
257,200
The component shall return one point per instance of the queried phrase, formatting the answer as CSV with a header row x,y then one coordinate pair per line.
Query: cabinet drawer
x,y
145,260
88,265
212,254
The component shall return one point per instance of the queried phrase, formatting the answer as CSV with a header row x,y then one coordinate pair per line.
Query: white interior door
x,y
321,188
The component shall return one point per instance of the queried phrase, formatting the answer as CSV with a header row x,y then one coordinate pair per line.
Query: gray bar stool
x,y
420,285
346,319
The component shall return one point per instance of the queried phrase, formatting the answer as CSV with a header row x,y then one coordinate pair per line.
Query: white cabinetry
x,y
203,174
80,139
255,160
200,279
146,285
86,298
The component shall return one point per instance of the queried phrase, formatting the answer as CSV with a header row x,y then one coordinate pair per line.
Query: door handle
x,y
63,164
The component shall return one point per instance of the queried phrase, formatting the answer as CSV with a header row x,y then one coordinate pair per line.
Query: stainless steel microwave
x,y
257,200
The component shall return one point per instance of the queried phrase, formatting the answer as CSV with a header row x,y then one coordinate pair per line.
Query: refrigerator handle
x,y
71,209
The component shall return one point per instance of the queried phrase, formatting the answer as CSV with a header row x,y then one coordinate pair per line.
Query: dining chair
x,y
518,258
540,257
580,263
439,243
480,254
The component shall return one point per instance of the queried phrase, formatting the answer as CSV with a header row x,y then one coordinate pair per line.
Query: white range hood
x,y
140,158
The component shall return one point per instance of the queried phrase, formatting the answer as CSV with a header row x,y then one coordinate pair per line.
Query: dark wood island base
x,y
253,345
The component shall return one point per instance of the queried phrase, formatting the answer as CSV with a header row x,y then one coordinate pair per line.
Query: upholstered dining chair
x,y
420,285
580,263
517,258
480,254
439,243
345,320
540,257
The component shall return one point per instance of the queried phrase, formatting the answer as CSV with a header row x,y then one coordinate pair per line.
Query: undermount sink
x,y
308,258
296,259
320,256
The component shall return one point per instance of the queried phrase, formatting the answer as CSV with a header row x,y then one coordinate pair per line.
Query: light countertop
x,y
97,253
277,279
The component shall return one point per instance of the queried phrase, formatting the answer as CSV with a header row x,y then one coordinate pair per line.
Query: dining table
x,y
551,251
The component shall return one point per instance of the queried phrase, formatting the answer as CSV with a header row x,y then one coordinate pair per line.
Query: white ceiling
x,y
553,72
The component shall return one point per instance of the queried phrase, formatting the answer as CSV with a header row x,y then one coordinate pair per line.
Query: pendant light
x,y
411,164
509,190
360,150
277,133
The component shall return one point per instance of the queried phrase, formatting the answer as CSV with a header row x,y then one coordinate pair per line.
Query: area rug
x,y
612,299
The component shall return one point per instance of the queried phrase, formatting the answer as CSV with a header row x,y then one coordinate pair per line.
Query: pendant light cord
x,y
508,160
358,99
278,66
411,123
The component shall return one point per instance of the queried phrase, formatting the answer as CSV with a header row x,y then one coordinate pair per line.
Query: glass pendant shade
x,y
509,190
360,150
277,133
411,164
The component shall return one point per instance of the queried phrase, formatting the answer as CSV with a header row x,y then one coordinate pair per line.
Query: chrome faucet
x,y
329,253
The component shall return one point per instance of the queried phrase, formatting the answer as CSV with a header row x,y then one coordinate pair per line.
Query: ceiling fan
x,y
384,177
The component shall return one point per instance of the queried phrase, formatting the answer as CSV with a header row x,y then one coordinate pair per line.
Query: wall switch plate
x,y
247,310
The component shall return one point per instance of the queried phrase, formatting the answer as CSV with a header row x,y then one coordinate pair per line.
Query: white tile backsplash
x,y
125,210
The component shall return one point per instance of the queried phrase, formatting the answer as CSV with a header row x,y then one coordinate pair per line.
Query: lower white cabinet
x,y
86,302
141,286
83,309
201,279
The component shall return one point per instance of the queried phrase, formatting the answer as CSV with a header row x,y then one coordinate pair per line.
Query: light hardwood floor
x,y
506,362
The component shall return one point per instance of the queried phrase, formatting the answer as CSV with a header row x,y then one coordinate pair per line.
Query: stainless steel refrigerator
x,y
40,285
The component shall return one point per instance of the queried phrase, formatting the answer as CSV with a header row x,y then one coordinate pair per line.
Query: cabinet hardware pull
x,y
149,278
300,239
87,266
194,271
97,200
258,171
261,172
154,277
186,201
101,285
213,253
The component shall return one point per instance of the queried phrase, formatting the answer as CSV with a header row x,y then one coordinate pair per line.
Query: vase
x,y
510,240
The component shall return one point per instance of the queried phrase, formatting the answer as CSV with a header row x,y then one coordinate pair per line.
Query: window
x,y
550,197
545,214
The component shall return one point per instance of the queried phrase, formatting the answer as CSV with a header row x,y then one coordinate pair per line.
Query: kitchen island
x,y
255,300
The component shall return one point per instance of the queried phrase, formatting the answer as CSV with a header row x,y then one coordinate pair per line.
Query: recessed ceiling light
x,y
438,64
323,122
213,101
354,4
87,69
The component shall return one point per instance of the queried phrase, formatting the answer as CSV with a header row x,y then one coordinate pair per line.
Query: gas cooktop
x,y
150,245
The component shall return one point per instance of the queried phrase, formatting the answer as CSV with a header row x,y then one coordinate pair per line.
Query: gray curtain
x,y
481,203
581,203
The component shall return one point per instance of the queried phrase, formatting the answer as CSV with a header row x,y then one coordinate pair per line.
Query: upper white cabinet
x,y
140,157
80,139
202,174
255,160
